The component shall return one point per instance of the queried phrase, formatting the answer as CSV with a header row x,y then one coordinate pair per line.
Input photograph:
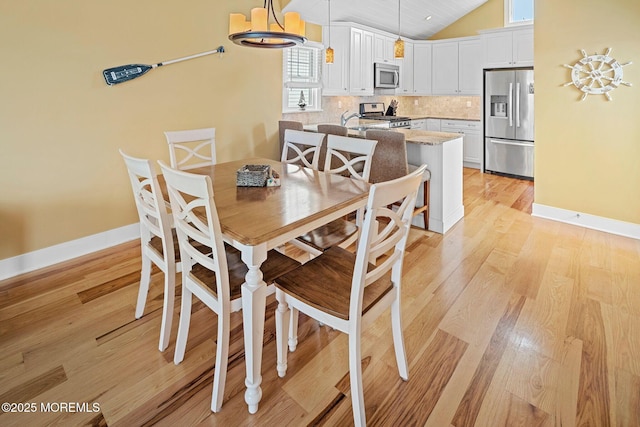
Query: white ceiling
x,y
383,14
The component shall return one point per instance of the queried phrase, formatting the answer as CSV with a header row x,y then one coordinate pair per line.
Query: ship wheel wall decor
x,y
597,74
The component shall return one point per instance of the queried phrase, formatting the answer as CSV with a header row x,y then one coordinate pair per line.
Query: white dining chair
x,y
215,272
193,148
346,156
158,245
299,146
345,292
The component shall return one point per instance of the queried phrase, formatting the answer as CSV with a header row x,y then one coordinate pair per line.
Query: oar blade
x,y
124,73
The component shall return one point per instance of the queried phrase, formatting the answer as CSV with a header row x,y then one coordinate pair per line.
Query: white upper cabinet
x,y
507,47
335,77
383,48
457,67
361,63
469,67
422,68
407,76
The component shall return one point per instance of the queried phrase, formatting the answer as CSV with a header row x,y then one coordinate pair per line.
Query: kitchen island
x,y
442,152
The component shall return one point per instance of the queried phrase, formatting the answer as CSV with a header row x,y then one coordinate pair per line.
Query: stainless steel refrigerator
x,y
508,122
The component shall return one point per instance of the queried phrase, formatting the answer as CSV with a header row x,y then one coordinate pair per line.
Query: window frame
x,y
508,15
314,103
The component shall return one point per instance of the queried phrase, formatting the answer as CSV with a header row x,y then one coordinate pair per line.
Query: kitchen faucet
x,y
344,120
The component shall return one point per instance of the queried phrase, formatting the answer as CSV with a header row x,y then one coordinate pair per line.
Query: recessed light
x,y
427,18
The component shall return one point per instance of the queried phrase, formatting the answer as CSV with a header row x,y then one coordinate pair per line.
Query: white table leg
x,y
254,296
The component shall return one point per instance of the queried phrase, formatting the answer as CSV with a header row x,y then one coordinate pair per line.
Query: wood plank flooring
x,y
508,319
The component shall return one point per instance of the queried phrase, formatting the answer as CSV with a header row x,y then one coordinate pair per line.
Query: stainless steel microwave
x,y
386,76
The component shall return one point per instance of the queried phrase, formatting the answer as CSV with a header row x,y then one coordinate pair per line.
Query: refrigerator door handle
x,y
519,144
509,110
518,105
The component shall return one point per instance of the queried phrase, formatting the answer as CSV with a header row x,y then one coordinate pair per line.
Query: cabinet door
x,y
472,139
361,63
420,124
469,68
422,69
523,47
433,125
445,68
472,149
406,70
336,76
383,49
497,49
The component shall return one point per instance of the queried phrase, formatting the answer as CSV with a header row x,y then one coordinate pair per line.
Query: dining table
x,y
257,219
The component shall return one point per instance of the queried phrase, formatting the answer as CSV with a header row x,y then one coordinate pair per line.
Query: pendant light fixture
x,y
328,54
398,46
258,32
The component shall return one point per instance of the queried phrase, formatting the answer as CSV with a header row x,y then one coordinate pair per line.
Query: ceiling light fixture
x,y
328,54
254,33
398,46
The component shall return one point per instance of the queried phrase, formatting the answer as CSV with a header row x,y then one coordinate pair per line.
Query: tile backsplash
x,y
461,107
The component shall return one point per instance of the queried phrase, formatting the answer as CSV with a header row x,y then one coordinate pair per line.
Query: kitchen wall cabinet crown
x,y
507,47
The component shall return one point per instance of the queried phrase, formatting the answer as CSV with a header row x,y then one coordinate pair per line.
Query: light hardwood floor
x,y
508,320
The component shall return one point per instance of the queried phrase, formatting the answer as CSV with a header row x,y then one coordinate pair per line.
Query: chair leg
x,y
398,340
293,330
282,328
355,377
222,360
425,214
183,326
145,278
167,309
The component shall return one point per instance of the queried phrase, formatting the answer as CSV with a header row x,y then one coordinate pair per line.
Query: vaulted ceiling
x,y
383,14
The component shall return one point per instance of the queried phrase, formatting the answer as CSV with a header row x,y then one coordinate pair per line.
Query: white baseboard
x,y
594,222
31,261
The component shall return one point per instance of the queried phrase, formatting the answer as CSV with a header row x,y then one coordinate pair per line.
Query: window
x,y
301,75
518,12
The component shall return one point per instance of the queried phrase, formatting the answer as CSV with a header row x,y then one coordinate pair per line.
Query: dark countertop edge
x,y
419,117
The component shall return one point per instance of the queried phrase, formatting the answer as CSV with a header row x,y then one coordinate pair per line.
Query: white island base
x,y
444,160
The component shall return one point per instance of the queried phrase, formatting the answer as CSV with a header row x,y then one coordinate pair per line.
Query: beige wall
x,y
489,15
587,153
61,176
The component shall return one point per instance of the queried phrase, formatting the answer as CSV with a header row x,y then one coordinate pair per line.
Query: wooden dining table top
x,y
254,215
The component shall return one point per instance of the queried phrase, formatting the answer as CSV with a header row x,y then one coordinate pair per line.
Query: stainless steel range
x,y
376,111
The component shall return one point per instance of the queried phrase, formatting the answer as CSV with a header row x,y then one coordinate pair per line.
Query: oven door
x,y
386,76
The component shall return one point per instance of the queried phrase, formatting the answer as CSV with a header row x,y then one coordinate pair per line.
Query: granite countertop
x,y
414,136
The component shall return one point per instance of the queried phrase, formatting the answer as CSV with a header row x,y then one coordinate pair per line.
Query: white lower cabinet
x,y
472,135
419,124
433,125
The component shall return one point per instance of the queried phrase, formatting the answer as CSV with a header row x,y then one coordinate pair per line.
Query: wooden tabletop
x,y
254,215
